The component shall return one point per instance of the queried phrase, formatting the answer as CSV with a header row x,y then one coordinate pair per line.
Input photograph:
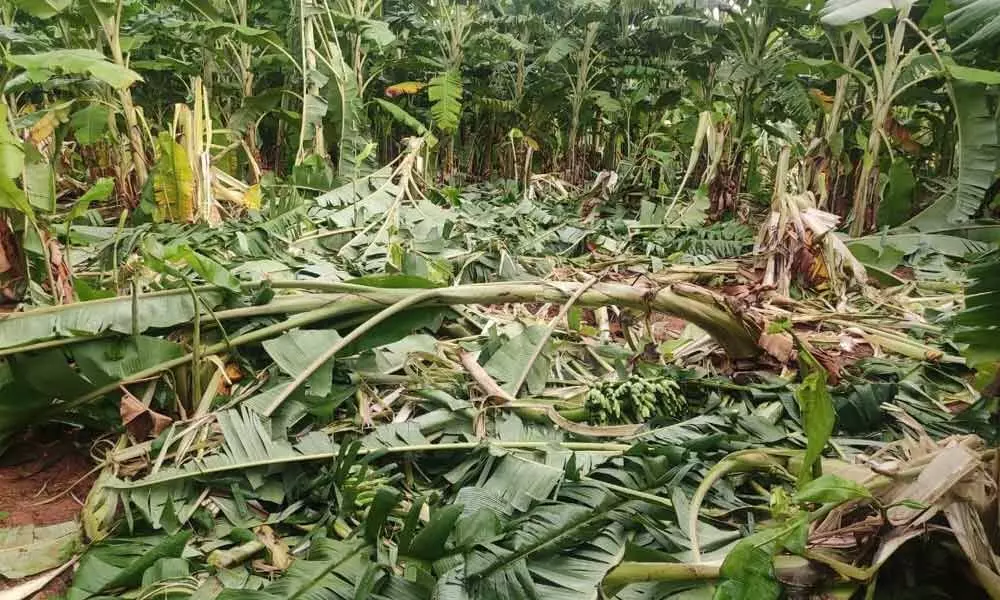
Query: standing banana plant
x,y
582,84
452,27
232,45
109,14
314,107
902,69
335,80
29,152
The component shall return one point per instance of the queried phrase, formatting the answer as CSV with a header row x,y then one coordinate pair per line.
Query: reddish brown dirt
x,y
904,273
36,469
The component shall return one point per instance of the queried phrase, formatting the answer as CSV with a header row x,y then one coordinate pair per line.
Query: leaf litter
x,y
379,392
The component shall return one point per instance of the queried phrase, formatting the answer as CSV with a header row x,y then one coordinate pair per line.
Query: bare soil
x,y
44,478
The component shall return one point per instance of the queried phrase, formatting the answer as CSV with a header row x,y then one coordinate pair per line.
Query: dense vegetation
x,y
630,299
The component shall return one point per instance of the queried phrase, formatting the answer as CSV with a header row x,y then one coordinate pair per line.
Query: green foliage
x,y
445,93
43,66
507,363
899,194
122,563
975,21
90,123
830,488
397,470
982,313
297,349
749,571
818,419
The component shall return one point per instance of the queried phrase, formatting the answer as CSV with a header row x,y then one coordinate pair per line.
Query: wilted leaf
x,y
507,363
748,572
140,421
28,550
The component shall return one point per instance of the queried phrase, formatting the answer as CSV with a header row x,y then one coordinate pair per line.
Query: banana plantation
x,y
500,299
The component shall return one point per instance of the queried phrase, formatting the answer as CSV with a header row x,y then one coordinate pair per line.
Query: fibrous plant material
x,y
360,328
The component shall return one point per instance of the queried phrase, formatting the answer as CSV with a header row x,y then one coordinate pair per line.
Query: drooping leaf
x,y
977,19
978,153
42,9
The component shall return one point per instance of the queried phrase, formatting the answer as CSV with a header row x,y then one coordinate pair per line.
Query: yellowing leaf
x,y
252,197
825,101
42,130
173,181
406,87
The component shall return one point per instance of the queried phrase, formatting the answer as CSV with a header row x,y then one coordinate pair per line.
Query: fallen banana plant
x,y
868,509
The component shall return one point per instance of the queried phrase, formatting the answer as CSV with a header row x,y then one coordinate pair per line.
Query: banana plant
x,y
905,65
29,153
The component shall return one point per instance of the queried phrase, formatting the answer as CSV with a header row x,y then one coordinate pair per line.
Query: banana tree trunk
x,y
581,85
865,194
736,334
112,33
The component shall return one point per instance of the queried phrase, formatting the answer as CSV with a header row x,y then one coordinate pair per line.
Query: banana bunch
x,y
362,483
634,400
